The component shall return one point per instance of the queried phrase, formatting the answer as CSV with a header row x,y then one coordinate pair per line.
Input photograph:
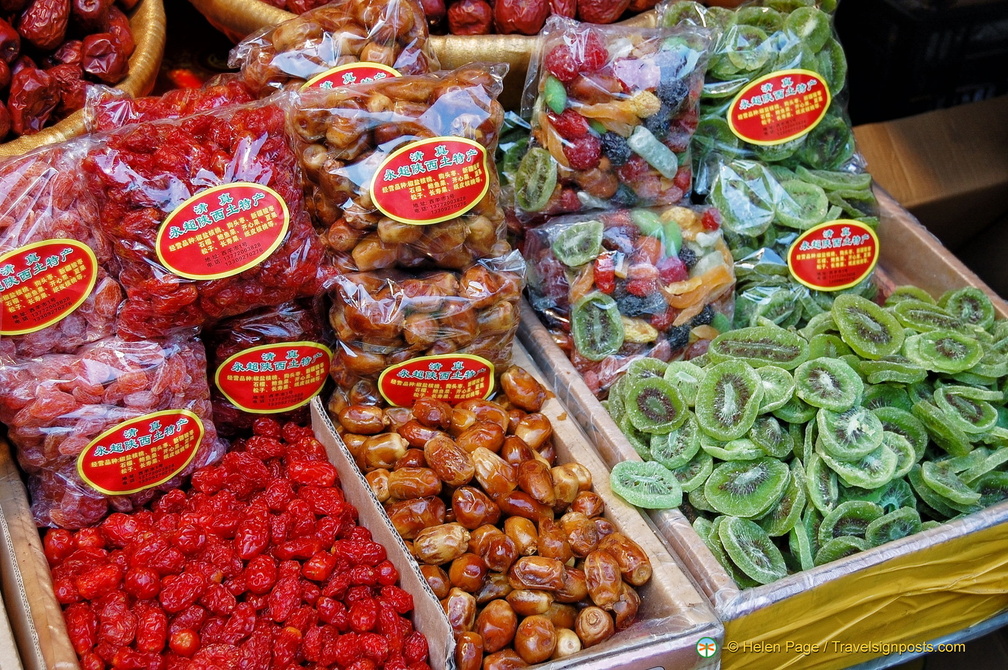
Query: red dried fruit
x,y
470,17
34,95
569,124
584,152
566,8
672,269
10,42
605,272
44,23
595,53
102,57
601,11
90,15
520,16
560,62
711,219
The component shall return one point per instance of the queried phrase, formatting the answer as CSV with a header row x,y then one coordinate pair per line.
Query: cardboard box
x,y
907,592
949,167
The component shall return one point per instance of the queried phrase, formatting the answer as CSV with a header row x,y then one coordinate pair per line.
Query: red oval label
x,y
274,378
43,282
431,180
450,377
349,75
141,453
834,255
780,107
222,231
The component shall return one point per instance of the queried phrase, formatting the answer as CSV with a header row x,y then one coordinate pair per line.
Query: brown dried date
x,y
470,17
496,624
473,508
469,651
535,639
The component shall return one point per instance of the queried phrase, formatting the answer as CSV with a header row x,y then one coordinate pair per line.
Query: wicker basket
x,y
148,24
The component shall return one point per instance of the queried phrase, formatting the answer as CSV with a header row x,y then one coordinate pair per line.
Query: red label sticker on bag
x,y
43,282
834,255
222,231
350,75
449,377
274,378
431,180
780,107
141,453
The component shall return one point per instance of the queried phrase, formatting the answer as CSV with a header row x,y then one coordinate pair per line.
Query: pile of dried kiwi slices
x,y
789,449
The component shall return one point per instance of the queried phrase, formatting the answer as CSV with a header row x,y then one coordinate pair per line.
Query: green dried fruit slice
x,y
676,448
890,497
835,180
897,524
535,180
866,328
762,17
760,346
554,94
946,483
936,502
775,440
639,440
849,435
778,387
746,48
751,550
796,410
741,193
810,435
728,400
992,487
647,485
972,416
923,391
942,429
616,407
971,305
654,406
819,324
874,470
877,396
892,368
802,205
833,65
772,153
829,145
848,519
578,243
647,367
597,326
717,548
746,488
904,293
740,449
943,351
840,547
994,459
699,501
828,383
810,26
924,317
801,547
906,458
828,346
693,474
786,514
686,378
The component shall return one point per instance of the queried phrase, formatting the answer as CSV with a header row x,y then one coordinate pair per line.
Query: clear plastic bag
x,y
391,33
613,109
206,215
57,273
57,406
400,172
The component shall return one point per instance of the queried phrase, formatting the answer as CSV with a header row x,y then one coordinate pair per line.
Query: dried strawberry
x,y
569,124
605,272
634,169
711,219
664,320
671,269
595,52
560,62
584,152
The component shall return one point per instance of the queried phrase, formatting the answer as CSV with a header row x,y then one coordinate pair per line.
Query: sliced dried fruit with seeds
x,y
648,485
829,383
728,400
897,524
943,351
849,518
760,345
866,328
654,406
746,488
751,550
849,435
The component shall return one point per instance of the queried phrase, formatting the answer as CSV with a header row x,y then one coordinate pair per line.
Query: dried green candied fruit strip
x,y
741,193
638,439
699,501
801,547
849,435
778,387
943,351
969,304
865,327
829,383
760,346
728,400
840,547
751,550
835,180
895,525
849,518
928,496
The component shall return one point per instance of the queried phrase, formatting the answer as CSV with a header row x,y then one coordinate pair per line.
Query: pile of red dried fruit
x,y
50,50
481,17
260,565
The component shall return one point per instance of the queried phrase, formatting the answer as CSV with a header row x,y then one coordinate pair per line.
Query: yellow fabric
x,y
910,599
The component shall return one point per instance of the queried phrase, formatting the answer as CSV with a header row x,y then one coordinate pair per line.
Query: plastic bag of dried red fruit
x,y
400,172
442,334
271,361
103,429
613,109
615,287
340,43
57,291
206,216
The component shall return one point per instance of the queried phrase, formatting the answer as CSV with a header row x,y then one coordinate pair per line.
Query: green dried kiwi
x,y
741,193
943,351
679,13
872,471
895,525
810,26
829,145
935,502
993,365
826,345
833,65
777,310
647,367
714,135
616,407
751,550
924,391
891,368
693,474
924,317
773,153
638,439
786,514
904,293
685,377
971,305
992,487
970,415
654,406
960,464
810,434
828,383
801,205
675,449
739,449
801,547
849,518
771,437
778,387
795,410
647,485
746,488
717,548
946,483
758,346
746,48
597,326
821,484
535,180
900,421
853,204
866,328
897,493
840,547
820,324
835,180
765,18
906,458
989,463
942,429
877,396
849,435
702,526
699,501
728,400
578,243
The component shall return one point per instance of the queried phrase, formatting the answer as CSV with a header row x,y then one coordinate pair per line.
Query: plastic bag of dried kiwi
x,y
793,448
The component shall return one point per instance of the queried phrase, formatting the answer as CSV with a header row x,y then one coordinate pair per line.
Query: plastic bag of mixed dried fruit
x,y
56,292
613,109
400,171
338,40
206,215
617,286
388,323
105,428
273,361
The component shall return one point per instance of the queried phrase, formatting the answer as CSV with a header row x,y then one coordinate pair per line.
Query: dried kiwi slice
x,y
828,383
641,368
685,377
906,458
654,406
829,145
699,501
786,514
676,448
877,396
801,547
760,346
988,463
647,485
866,328
778,387
775,440
796,410
802,205
992,487
849,435
535,179
746,488
597,326
717,548
924,316
893,526
943,351
969,304
639,440
728,400
810,26
827,345
751,550
693,474
872,471
840,547
970,414
903,293
942,429
578,243
936,502
739,449
946,483
849,518
835,180
892,368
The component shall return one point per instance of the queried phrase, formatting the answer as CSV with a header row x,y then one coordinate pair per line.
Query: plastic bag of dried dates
x,y
271,361
343,42
439,334
613,109
400,172
206,216
57,291
103,429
